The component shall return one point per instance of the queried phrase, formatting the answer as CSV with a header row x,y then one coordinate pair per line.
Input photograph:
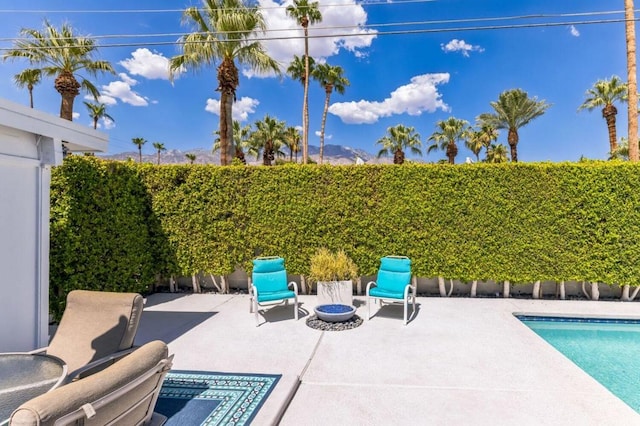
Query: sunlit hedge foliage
x,y
118,225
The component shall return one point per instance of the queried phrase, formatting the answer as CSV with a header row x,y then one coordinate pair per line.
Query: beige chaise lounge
x,y
125,393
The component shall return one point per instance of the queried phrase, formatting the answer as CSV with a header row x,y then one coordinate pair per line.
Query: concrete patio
x,y
461,361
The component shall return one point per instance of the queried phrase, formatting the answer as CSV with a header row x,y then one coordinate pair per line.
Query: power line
x,y
380,33
373,26
103,11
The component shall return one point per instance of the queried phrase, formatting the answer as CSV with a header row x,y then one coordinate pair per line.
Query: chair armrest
x,y
369,285
295,286
95,365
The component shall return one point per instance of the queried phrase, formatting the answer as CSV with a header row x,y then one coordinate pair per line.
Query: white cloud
x,y
339,17
148,64
75,115
420,95
121,90
241,108
318,133
107,124
574,31
456,45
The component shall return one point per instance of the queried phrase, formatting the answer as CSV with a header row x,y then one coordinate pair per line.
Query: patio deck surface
x,y
461,361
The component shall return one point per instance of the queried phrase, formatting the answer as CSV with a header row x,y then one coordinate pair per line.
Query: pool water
x,y
606,349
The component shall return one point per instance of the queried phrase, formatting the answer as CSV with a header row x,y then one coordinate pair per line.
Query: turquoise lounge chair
x,y
393,284
269,284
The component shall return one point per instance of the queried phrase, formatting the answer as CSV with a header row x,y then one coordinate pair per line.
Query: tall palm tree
x,y
61,54
297,70
269,137
139,142
497,153
632,78
330,78
159,146
305,13
225,31
605,93
96,112
450,131
28,78
292,139
398,139
513,110
191,157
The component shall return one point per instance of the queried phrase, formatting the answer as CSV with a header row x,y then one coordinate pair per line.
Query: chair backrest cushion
x,y
269,274
45,409
394,273
95,324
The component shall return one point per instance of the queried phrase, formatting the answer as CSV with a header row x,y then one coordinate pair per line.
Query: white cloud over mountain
x,y
456,45
147,64
341,28
241,108
420,95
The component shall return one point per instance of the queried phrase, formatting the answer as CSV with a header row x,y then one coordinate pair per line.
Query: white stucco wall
x,y
30,144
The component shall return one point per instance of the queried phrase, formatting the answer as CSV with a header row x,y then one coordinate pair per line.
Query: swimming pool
x,y
606,349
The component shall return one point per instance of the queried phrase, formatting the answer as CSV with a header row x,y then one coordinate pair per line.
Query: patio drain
x,y
318,324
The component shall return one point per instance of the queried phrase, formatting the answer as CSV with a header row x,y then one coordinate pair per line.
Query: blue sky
x,y
413,79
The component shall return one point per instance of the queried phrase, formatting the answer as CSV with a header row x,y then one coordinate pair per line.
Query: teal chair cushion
x,y
394,275
275,295
270,279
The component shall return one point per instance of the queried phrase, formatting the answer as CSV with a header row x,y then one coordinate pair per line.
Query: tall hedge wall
x,y
117,225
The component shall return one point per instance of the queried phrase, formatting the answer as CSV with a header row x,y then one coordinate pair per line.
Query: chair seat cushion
x,y
275,295
380,292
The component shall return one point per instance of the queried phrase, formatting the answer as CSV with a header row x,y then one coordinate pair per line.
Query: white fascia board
x,y
78,137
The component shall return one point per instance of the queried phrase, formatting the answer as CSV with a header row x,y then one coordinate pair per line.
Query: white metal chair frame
x,y
410,290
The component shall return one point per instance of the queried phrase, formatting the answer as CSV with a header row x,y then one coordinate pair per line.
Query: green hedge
x,y
118,225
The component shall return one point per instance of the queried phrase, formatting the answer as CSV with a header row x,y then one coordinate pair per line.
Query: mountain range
x,y
333,154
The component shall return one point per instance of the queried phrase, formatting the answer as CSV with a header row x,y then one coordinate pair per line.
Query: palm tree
x,y
487,135
605,93
330,78
224,31
513,110
292,139
475,143
62,54
191,157
632,78
28,78
139,142
622,151
449,132
269,137
497,153
241,139
96,112
305,13
159,148
397,140
297,70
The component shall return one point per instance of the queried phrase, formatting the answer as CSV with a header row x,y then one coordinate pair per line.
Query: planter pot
x,y
334,312
335,292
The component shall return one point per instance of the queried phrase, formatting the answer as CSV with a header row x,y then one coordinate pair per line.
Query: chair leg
x,y
295,307
406,303
368,307
255,309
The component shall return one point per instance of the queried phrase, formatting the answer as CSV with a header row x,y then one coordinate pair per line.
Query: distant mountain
x,y
333,154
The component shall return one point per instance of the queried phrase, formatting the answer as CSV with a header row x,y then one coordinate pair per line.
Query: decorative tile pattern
x,y
233,399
